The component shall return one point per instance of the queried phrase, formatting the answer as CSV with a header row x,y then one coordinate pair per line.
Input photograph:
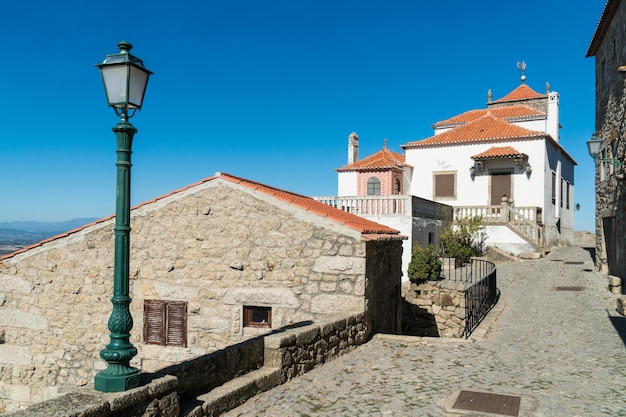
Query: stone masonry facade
x,y
610,54
216,247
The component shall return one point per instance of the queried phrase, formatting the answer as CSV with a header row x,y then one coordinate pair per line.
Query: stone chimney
x,y
353,148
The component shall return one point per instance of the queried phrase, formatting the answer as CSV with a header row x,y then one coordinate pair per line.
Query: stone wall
x,y
435,309
217,247
215,383
610,108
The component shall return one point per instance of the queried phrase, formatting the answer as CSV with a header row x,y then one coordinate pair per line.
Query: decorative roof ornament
x,y
522,67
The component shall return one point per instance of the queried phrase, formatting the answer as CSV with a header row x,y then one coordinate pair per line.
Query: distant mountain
x,y
17,235
47,228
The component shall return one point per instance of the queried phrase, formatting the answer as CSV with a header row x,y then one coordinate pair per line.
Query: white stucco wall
x,y
526,189
346,183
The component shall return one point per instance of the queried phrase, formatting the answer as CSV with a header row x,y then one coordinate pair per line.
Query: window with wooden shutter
x,y
165,323
444,185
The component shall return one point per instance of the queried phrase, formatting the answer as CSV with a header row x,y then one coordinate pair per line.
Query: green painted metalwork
x,y
119,375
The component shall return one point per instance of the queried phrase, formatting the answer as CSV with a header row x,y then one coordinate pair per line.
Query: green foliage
x,y
425,264
463,239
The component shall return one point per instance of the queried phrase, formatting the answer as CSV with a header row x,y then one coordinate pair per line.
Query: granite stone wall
x,y
216,247
610,108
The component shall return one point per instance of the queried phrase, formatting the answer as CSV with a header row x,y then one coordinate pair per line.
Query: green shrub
x,y
425,264
463,239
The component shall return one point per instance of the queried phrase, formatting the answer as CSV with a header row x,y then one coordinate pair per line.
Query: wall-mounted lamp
x,y
593,146
472,171
529,169
577,206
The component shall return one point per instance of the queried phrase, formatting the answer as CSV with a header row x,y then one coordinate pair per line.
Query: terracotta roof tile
x,y
486,128
523,92
500,152
383,159
348,219
369,229
509,113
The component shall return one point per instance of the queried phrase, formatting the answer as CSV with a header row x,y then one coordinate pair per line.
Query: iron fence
x,y
481,292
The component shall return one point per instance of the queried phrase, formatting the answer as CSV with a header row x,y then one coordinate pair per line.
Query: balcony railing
x,y
366,205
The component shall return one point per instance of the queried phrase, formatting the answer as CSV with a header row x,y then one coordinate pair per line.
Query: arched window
x,y
373,186
396,188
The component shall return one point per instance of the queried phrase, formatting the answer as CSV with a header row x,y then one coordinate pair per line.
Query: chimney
x,y
353,148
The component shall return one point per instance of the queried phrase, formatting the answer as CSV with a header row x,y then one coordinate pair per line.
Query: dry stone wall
x,y
435,309
215,246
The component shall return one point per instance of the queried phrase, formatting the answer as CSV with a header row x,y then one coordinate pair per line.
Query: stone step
x,y
233,393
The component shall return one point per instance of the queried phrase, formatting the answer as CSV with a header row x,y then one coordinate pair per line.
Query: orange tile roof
x,y
523,92
485,128
500,152
512,113
383,159
353,221
370,230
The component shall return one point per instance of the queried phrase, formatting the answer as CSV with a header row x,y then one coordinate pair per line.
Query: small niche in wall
x,y
255,316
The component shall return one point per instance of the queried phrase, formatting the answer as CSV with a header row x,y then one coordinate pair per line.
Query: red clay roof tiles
x,y
523,92
383,159
485,128
500,152
508,113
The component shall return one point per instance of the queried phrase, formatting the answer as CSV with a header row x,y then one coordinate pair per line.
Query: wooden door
x,y
500,187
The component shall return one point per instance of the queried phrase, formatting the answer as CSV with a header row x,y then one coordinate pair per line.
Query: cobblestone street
x,y
562,352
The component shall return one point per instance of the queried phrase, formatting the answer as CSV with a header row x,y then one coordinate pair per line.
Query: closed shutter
x,y
444,185
176,331
154,322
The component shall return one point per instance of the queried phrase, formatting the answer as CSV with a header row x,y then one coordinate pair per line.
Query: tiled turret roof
x,y
523,92
383,159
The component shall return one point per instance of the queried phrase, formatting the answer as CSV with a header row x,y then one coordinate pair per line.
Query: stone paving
x,y
562,352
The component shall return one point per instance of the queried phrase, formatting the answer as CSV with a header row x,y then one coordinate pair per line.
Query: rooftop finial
x,y
489,96
522,67
385,144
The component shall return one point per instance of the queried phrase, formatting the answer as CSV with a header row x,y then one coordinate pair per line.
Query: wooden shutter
x,y
444,185
176,328
154,322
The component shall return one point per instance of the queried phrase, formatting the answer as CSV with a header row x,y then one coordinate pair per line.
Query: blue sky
x,y
267,90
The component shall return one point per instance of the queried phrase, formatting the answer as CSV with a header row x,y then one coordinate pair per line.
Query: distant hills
x,y
17,235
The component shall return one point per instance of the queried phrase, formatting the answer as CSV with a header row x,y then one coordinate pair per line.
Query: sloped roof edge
x,y
360,224
610,8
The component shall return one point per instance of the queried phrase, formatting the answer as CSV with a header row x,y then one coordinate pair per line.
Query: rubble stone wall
x,y
216,247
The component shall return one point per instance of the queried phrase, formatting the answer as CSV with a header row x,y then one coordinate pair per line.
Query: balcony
x,y
370,205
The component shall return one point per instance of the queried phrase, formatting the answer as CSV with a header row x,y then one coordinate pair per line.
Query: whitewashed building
x,y
503,162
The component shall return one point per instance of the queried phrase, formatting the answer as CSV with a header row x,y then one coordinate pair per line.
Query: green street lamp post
x,y
125,79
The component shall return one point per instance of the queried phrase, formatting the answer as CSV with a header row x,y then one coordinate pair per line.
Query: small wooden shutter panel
x,y
176,330
444,185
154,322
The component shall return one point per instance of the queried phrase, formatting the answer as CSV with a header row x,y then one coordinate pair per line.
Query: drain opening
x,y
573,263
569,288
505,405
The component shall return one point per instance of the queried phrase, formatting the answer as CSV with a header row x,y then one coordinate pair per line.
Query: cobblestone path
x,y
562,352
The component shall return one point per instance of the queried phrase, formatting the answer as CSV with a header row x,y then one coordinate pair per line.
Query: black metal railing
x,y
481,291
480,296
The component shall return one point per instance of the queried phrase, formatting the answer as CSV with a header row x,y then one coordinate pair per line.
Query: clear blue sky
x,y
267,90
